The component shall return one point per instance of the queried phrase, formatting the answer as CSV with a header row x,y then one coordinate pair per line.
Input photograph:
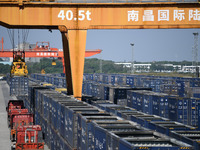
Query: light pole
x,y
132,63
195,53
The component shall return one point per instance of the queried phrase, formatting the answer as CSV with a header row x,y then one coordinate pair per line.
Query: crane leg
x,y
74,43
66,60
77,45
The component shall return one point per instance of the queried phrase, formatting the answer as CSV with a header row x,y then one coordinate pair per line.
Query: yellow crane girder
x,y
74,19
100,16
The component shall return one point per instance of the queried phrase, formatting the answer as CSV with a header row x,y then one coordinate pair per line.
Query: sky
x,y
149,44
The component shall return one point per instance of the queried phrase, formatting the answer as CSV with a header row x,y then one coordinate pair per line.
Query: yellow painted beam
x,y
99,16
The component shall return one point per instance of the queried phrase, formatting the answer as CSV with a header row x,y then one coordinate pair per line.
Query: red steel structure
x,y
13,104
1,43
42,49
28,137
20,120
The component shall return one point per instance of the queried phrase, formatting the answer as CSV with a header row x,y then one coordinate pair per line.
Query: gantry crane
x,y
43,49
74,18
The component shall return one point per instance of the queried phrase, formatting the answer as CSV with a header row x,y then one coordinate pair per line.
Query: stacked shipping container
x,y
165,126
18,85
169,93
72,124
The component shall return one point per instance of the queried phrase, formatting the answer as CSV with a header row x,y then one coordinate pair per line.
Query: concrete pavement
x,y
4,130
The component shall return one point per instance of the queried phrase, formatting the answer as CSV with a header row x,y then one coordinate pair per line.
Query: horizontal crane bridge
x,y
45,51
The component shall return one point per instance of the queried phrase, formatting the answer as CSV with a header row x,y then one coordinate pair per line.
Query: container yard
x,y
100,110
112,114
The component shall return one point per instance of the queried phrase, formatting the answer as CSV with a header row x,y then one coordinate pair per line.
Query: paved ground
x,y
5,143
4,131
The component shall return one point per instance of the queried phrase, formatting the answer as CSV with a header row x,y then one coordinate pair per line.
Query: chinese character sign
x,y
148,15
165,15
194,14
133,15
179,15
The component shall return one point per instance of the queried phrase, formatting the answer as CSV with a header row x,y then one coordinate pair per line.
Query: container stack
x,y
175,98
70,124
165,126
18,86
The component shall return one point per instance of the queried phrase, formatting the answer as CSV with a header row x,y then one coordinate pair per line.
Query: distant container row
x,y
184,87
57,80
69,124
184,110
126,90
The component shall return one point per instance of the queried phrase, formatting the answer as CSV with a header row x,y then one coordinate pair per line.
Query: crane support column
x,y
77,45
68,74
74,43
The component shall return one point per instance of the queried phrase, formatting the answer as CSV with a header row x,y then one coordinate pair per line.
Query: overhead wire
x,y
11,34
18,40
25,33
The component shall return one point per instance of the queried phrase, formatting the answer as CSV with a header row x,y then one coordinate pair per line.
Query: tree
x,y
45,63
93,66
4,69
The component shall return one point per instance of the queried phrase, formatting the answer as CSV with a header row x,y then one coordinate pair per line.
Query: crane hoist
x,y
18,67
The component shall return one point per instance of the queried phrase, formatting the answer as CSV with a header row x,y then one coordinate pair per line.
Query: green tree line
x,y
46,64
92,65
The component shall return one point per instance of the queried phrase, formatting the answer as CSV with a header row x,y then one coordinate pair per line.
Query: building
x,y
190,69
176,67
137,67
147,67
